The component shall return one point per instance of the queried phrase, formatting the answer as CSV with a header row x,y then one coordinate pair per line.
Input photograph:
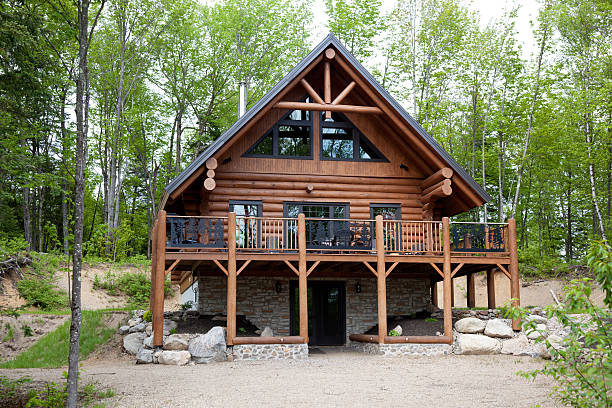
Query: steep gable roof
x,y
330,40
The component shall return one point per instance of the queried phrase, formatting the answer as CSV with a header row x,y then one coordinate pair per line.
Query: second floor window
x,y
341,140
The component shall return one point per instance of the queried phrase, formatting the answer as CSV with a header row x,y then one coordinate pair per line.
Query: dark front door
x,y
326,313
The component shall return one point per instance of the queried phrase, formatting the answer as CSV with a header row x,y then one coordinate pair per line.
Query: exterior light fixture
x,y
278,287
358,287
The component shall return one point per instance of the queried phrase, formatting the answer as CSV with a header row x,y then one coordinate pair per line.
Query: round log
x,y
210,173
211,163
330,53
441,191
309,188
443,173
445,182
209,184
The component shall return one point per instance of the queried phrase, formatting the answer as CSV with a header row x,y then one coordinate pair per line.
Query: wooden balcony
x,y
381,245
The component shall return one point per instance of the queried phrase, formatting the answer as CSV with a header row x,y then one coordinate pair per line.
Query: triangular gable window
x,y
290,137
341,140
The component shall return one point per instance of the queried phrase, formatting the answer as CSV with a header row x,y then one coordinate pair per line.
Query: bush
x,y
135,285
12,246
42,294
582,364
147,316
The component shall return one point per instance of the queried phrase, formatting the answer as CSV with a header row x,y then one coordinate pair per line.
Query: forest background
x,y
533,126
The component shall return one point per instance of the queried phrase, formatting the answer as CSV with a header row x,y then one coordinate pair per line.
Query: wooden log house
x,y
323,211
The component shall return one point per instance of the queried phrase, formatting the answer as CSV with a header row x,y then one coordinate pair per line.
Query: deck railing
x,y
332,235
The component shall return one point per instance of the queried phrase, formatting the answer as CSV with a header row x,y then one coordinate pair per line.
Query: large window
x,y
290,137
341,140
323,233
247,226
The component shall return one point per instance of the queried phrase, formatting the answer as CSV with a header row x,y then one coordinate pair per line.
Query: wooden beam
x,y
231,278
381,280
211,163
344,93
445,182
327,107
153,264
440,191
418,339
434,293
210,173
370,268
210,184
312,268
220,267
160,264
505,271
515,293
270,340
330,53
313,94
364,338
171,268
471,290
392,267
437,269
457,268
440,175
244,265
327,87
491,288
292,267
302,275
448,313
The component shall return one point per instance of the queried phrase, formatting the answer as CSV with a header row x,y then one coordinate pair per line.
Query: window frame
x,y
397,206
356,134
283,121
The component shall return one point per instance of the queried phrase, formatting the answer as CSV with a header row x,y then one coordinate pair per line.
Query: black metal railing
x,y
478,237
195,232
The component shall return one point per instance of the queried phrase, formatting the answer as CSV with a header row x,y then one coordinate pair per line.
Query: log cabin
x,y
323,211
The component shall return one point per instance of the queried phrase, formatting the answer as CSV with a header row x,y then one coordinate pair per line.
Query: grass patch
x,y
135,285
51,350
38,288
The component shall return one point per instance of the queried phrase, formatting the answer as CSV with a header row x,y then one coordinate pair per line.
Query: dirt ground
x,y
336,379
532,294
40,325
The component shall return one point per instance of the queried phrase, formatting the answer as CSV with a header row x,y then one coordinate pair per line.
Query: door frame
x,y
293,284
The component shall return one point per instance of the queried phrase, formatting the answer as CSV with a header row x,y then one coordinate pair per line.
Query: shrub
x,y
12,246
394,333
431,319
135,285
147,316
27,331
582,364
9,334
187,305
41,294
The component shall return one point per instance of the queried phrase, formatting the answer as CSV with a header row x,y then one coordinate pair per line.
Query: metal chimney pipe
x,y
242,99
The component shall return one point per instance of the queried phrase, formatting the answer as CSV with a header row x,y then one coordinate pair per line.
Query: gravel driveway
x,y
336,379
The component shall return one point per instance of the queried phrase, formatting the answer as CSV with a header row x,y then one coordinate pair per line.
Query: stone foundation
x,y
270,352
258,301
397,350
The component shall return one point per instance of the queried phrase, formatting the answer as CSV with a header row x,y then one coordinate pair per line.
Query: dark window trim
x,y
346,206
274,130
398,215
356,134
258,203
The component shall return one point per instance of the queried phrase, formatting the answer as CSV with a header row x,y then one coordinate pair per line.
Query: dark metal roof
x,y
323,45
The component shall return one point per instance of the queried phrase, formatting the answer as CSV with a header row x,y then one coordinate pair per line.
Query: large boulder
x,y
470,325
398,330
133,342
134,321
498,328
168,326
174,357
209,347
148,342
518,346
124,329
176,342
137,328
144,356
540,331
536,318
476,344
149,329
267,332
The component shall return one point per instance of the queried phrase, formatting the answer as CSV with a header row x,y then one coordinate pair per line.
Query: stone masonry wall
x,y
257,299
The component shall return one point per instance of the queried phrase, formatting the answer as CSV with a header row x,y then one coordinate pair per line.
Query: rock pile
x,y
177,349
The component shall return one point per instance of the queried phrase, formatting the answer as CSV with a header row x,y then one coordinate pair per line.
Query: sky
x,y
488,10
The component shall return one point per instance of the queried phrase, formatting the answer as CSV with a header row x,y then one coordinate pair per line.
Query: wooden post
x,y
491,288
452,291
434,293
514,272
381,280
448,313
327,87
231,278
153,264
160,276
471,290
303,285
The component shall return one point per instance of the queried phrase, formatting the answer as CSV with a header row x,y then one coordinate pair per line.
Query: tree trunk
x,y
27,222
569,242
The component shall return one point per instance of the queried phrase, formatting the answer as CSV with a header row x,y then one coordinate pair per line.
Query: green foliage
x,y
242,330
599,260
42,294
581,364
27,331
431,319
147,316
11,389
532,264
135,285
52,396
173,330
187,305
11,246
394,333
51,350
9,334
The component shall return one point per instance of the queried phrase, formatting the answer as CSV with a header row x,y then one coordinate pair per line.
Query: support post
x,y
448,313
153,264
231,278
491,288
158,282
452,291
434,293
381,280
303,274
471,290
514,272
